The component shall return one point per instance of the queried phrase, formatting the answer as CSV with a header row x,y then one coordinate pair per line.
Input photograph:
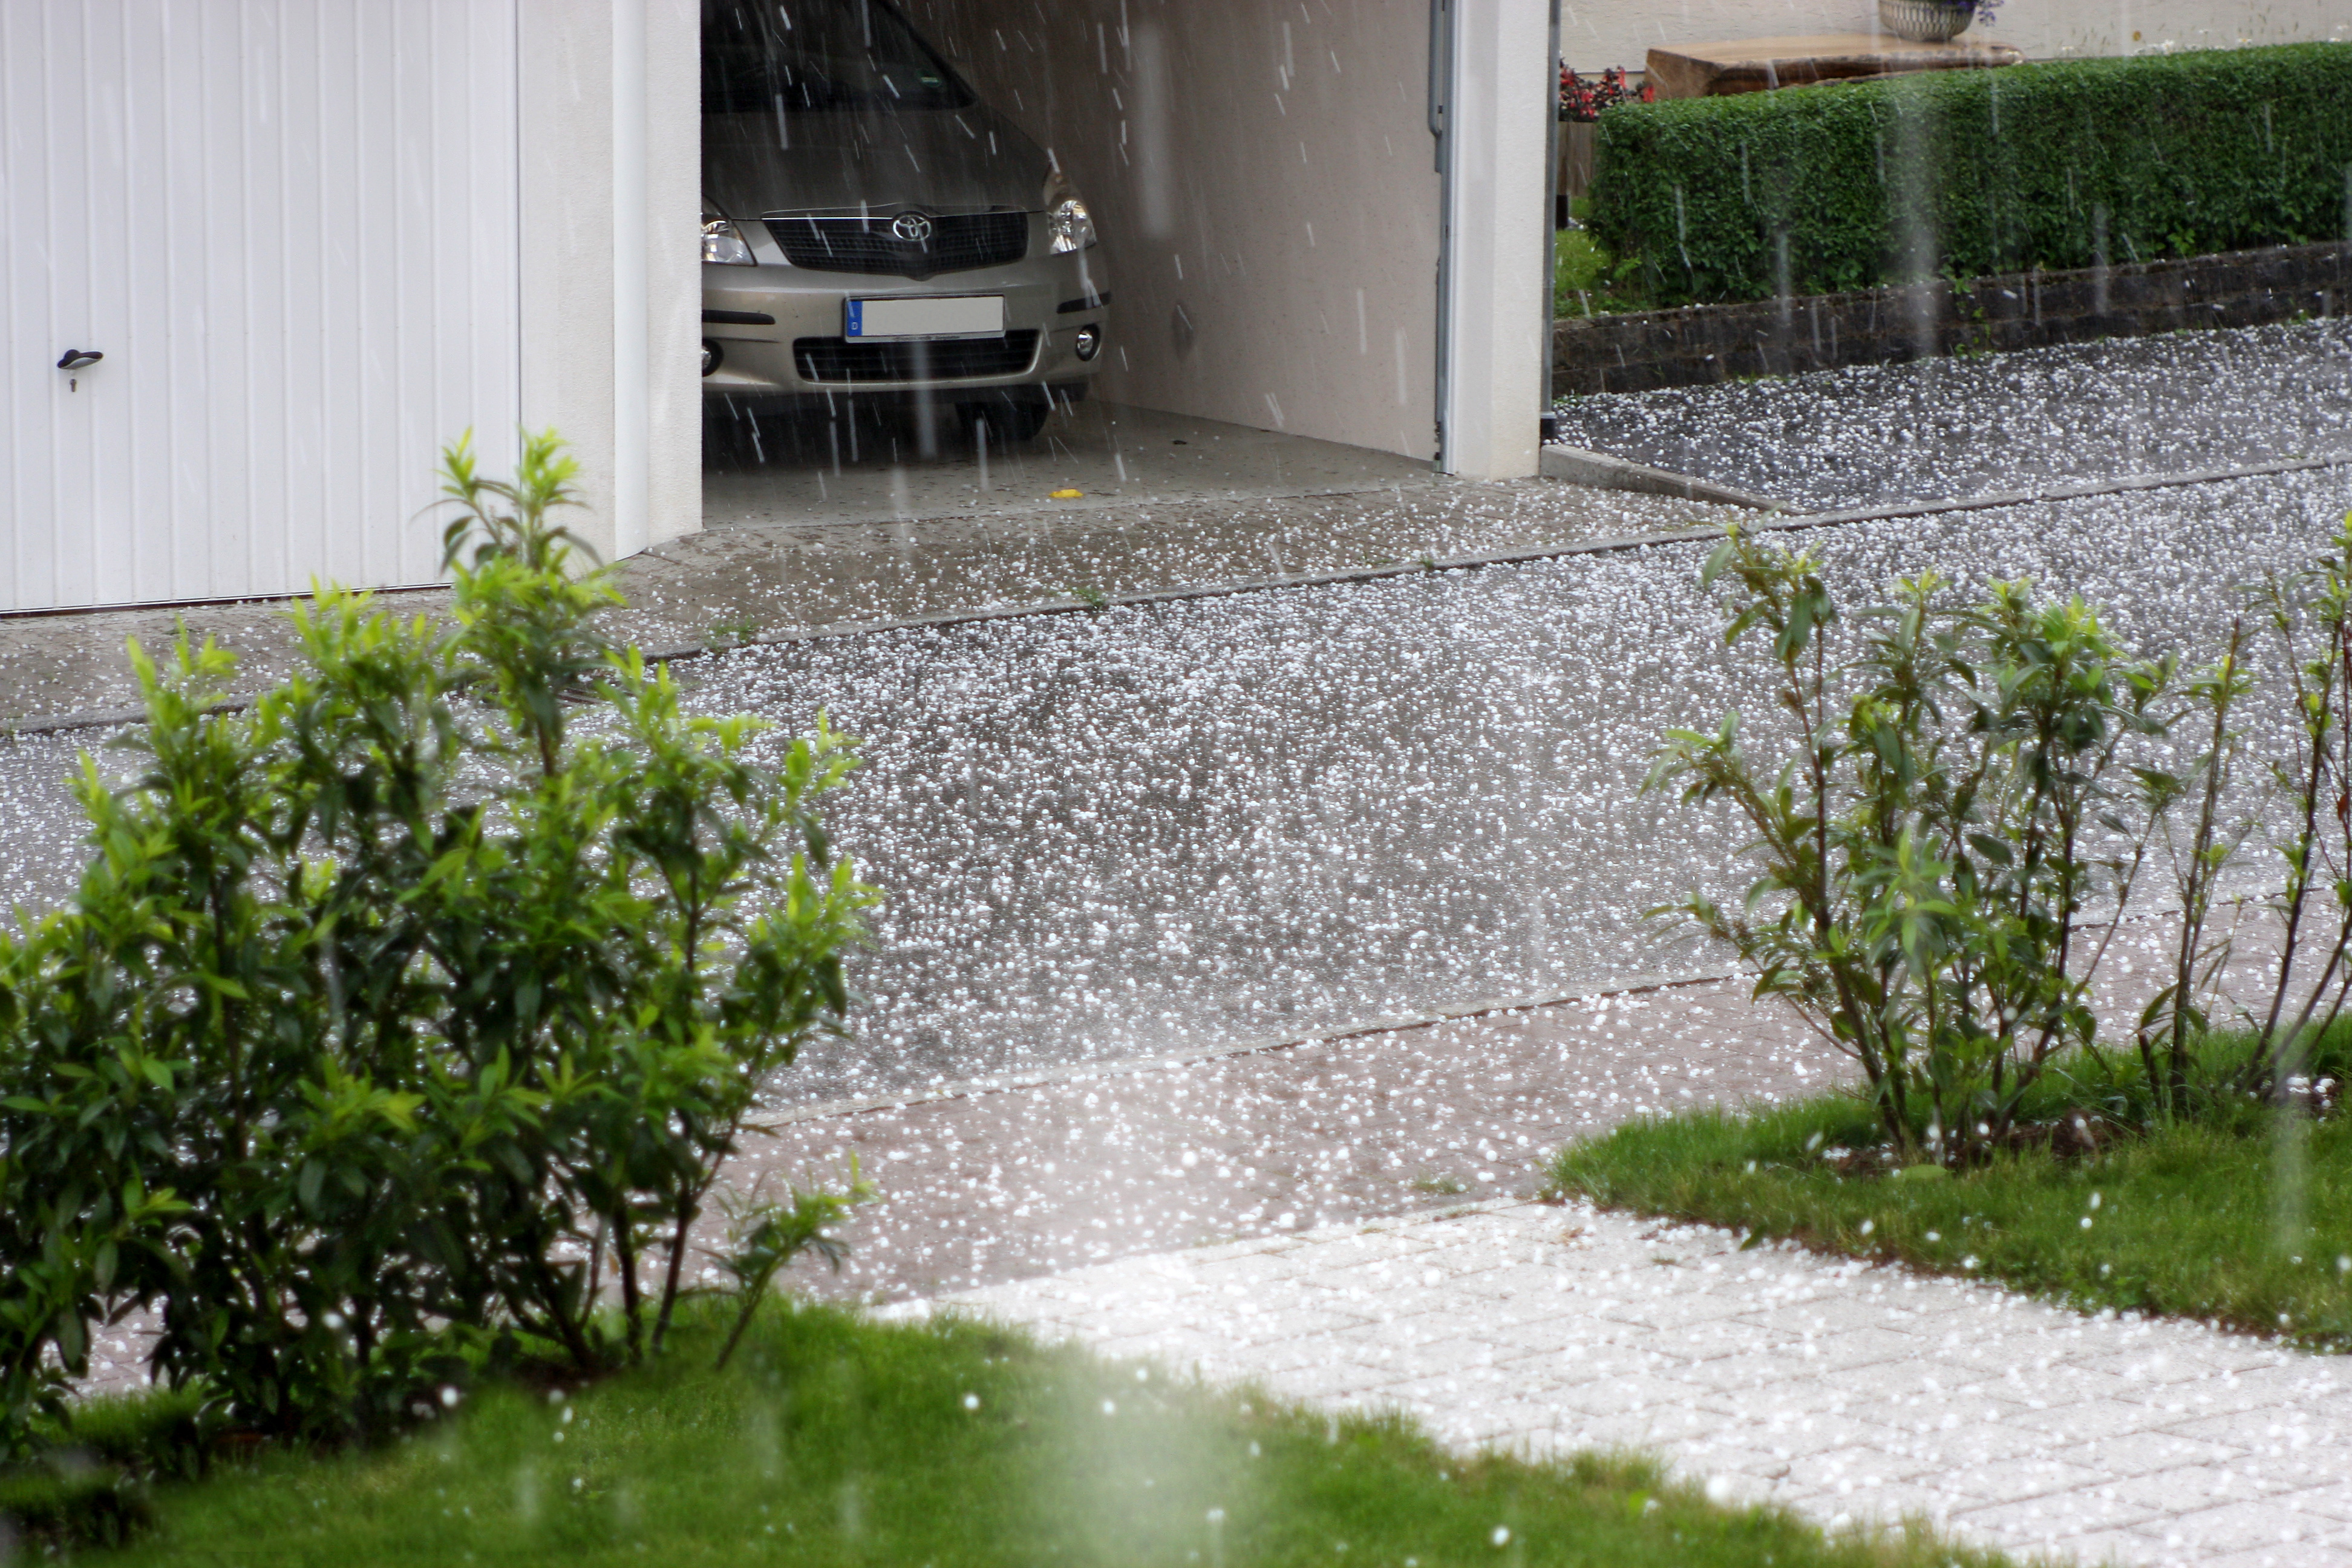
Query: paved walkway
x,y
1310,1189
990,1186
1852,1393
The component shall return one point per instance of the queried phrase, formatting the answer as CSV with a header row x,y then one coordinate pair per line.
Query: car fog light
x,y
1089,343
711,357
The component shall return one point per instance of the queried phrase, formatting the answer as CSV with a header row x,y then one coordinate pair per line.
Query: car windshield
x,y
807,56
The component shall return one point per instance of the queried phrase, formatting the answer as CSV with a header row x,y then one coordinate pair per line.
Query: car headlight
x,y
1067,220
723,244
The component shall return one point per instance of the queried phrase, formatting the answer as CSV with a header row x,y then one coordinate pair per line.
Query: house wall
x,y
1597,34
611,175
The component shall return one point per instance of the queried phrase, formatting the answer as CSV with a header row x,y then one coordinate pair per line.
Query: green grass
x,y
2243,1216
1589,280
834,1440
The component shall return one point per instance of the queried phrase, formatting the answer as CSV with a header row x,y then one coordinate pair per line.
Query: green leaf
x,y
1991,848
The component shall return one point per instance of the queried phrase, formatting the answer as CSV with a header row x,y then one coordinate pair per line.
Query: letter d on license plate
x,y
924,316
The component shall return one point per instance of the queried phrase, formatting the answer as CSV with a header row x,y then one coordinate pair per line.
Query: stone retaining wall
x,y
1639,350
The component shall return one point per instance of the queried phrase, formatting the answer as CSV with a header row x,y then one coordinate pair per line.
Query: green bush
x,y
390,1007
1930,844
2058,164
1973,796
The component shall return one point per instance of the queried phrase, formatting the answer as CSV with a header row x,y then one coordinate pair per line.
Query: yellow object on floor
x,y
1067,495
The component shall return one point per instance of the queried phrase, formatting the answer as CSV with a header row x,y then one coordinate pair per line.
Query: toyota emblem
x,y
912,227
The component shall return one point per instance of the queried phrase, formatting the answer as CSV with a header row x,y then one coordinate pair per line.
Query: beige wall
x,y
629,401
1596,34
1262,175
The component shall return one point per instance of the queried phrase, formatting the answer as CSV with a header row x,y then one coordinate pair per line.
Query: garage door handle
x,y
74,359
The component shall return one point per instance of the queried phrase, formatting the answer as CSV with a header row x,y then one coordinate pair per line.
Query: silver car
x,y
873,232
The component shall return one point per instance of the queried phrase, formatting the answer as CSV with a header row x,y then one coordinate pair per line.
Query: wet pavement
x,y
749,580
992,1186
1943,430
1221,821
1215,822
812,470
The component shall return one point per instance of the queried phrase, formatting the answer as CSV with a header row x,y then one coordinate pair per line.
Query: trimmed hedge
x,y
2063,164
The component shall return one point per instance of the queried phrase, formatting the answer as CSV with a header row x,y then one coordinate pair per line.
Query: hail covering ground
x,y
1945,429
1216,821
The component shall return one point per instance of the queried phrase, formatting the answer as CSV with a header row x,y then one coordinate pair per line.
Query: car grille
x,y
948,359
957,243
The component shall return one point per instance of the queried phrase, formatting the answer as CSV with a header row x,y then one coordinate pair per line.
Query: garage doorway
x,y
1263,196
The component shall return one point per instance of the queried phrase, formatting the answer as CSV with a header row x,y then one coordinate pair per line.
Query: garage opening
x,y
982,256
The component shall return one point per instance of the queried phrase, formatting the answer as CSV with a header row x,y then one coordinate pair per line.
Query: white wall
x,y
1596,34
1498,318
612,297
1264,177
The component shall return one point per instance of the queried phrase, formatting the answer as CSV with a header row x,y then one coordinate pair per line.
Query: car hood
x,y
939,159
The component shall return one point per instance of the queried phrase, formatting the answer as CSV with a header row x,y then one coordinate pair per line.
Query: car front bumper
x,y
777,333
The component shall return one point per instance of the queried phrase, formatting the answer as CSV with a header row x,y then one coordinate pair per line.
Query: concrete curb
x,y
1125,1067
1610,546
1600,471
1080,1072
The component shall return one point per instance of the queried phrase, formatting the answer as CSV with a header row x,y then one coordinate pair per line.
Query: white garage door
x,y
290,227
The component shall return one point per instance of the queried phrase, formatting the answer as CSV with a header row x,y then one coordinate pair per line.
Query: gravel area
x,y
1943,430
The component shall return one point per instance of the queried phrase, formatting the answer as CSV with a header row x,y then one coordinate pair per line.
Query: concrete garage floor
x,y
803,471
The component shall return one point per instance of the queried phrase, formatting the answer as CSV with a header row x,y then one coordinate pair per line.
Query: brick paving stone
x,y
2020,1480
1839,1390
2040,1524
2152,1454
2268,1522
2305,1554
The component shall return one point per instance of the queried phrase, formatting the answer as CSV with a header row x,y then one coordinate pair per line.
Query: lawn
x,y
831,1439
2240,1215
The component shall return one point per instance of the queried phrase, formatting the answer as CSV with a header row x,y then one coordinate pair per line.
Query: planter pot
x,y
1925,21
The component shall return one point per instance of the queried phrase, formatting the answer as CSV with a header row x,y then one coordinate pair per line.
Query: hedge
x,y
2059,164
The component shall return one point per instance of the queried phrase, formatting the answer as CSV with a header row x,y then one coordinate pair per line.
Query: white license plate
x,y
926,316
